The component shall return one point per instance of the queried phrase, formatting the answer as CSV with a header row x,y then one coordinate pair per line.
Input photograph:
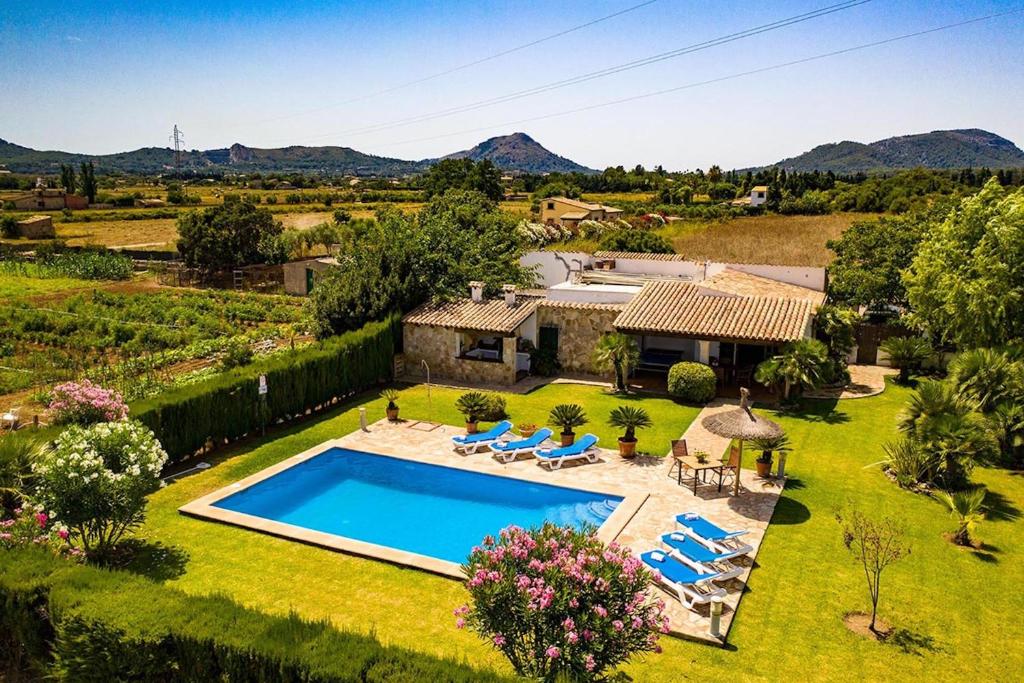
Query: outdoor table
x,y
700,469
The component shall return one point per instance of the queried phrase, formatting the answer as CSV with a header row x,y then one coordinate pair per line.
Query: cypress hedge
x,y
229,406
80,623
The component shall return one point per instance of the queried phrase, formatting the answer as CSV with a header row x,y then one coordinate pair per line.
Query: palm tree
x,y
986,376
967,508
907,353
472,405
568,416
630,419
801,364
617,352
1008,421
17,453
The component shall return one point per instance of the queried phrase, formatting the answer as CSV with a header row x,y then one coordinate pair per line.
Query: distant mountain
x,y
969,147
520,152
516,152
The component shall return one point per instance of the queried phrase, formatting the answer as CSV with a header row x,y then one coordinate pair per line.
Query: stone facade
x,y
438,346
579,330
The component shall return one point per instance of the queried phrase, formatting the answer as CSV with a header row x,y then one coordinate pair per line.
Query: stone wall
x,y
579,330
439,346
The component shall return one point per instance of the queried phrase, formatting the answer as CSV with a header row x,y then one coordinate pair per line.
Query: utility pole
x,y
178,137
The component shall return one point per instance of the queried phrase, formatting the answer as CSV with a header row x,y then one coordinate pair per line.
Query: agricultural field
x,y
137,340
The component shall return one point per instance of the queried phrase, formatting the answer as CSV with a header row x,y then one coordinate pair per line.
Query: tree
x,y
96,479
226,236
908,354
401,261
967,508
559,603
617,352
630,419
987,377
9,227
88,174
966,283
67,178
876,543
464,174
18,451
870,258
801,365
640,241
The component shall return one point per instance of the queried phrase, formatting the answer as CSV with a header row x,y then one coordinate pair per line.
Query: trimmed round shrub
x,y
692,382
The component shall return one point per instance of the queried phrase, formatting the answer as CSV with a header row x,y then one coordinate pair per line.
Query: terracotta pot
x,y
471,428
763,468
527,433
392,414
568,438
627,449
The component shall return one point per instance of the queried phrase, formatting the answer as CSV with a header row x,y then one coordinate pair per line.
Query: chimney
x,y
510,295
476,291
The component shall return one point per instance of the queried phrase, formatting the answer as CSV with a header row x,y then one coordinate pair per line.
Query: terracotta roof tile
x,y
666,307
492,315
582,305
640,255
744,284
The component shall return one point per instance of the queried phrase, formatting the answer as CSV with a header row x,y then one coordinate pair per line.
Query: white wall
x,y
596,293
691,269
528,329
553,267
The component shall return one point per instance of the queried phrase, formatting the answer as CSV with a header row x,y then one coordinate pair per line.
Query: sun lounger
x,y
584,449
508,451
691,587
686,547
711,535
471,443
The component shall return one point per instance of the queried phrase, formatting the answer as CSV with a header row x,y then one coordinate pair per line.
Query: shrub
x,y
636,241
908,462
228,406
96,479
237,354
8,227
558,602
30,526
802,364
694,382
17,453
496,408
908,354
79,623
85,403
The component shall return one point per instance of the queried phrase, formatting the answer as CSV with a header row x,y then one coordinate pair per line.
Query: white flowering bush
x,y
593,230
96,479
538,234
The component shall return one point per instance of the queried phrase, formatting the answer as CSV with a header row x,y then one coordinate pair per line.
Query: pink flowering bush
x,y
559,602
85,403
30,525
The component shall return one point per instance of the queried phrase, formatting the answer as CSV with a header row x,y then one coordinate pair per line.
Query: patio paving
x,y
648,476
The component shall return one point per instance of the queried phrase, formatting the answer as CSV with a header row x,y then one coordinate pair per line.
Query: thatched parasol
x,y
741,424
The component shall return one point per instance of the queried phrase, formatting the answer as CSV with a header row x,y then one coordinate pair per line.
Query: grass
x,y
17,287
784,240
956,611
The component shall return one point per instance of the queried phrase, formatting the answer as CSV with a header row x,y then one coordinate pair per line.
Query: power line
x,y
627,66
720,79
461,67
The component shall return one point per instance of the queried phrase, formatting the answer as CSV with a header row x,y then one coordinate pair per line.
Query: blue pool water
x,y
427,509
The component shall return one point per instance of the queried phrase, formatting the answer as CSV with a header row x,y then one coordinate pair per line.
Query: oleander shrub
x,y
85,403
556,601
79,623
95,480
694,382
228,406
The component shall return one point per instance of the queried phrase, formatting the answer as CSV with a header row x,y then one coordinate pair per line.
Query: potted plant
x,y
568,416
776,444
702,457
390,395
526,429
630,419
472,405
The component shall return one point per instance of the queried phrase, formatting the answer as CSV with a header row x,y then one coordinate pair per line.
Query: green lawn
x,y
958,611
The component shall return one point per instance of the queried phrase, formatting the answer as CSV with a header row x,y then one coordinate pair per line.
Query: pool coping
x,y
204,508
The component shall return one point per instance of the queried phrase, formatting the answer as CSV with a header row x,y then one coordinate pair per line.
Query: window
x,y
760,195
551,206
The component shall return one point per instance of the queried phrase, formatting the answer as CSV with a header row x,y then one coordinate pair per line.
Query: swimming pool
x,y
430,510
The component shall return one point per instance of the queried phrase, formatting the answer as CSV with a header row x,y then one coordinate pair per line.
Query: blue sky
x,y
101,77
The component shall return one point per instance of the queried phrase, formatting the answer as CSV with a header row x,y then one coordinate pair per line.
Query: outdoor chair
x,y
731,469
471,443
711,535
688,585
584,449
678,465
689,549
508,451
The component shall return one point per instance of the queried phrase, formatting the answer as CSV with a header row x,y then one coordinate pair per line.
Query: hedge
x,y
79,623
693,382
229,406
